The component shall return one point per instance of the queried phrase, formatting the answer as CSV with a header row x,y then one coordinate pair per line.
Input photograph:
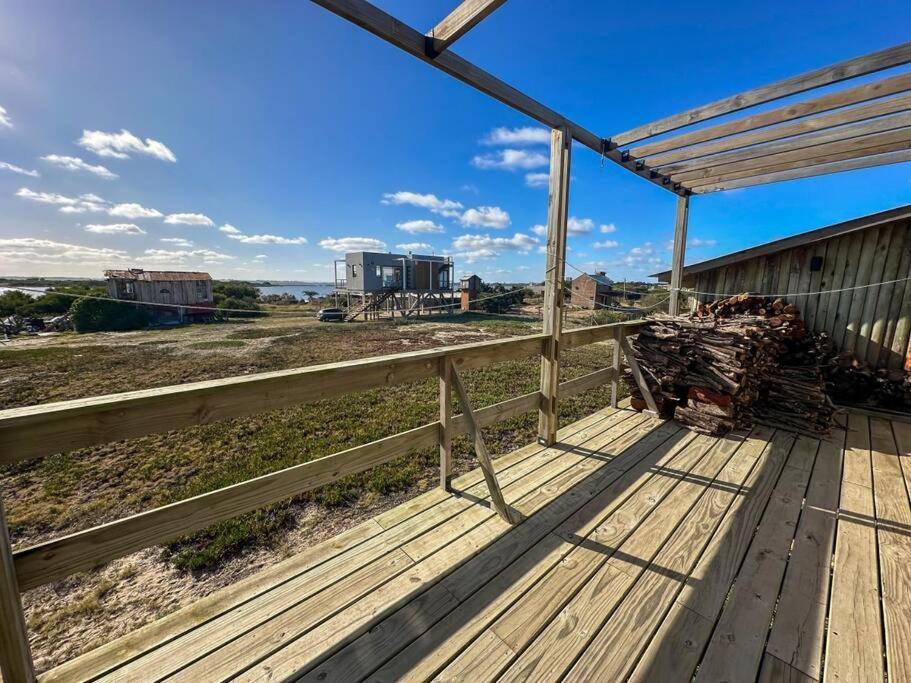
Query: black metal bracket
x,y
429,50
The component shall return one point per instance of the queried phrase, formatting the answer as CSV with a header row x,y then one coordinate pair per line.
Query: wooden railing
x,y
42,430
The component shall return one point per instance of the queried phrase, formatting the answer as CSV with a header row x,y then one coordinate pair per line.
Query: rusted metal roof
x,y
156,275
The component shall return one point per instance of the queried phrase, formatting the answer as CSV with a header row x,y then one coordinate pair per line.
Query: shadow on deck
x,y
647,552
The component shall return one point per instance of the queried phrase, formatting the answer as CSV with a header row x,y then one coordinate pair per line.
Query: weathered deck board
x,y
647,553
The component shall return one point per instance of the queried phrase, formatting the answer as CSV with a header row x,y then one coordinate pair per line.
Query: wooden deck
x,y
647,552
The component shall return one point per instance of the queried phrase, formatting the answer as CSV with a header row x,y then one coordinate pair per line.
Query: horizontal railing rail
x,y
41,430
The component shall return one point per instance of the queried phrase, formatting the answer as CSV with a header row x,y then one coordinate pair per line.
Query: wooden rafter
x,y
867,112
843,98
390,29
851,68
794,174
459,22
868,145
859,130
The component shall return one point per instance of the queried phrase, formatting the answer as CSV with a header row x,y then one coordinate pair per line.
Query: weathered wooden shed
x,y
820,271
164,288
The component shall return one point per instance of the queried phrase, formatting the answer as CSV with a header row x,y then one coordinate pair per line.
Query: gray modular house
x,y
371,272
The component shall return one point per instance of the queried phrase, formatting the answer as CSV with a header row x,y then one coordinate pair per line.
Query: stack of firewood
x,y
852,381
735,362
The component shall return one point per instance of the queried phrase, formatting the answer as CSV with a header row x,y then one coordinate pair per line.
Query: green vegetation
x,y
102,315
52,302
512,295
236,296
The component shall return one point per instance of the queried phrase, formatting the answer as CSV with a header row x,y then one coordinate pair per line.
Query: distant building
x,y
408,283
593,291
164,287
469,288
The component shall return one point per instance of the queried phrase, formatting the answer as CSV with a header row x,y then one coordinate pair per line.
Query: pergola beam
x,y
860,130
836,100
459,22
390,29
821,169
891,141
851,68
867,112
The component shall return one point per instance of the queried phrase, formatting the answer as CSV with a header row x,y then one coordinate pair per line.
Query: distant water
x,y
322,288
4,290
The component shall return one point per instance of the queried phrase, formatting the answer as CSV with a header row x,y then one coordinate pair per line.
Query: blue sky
x,y
262,139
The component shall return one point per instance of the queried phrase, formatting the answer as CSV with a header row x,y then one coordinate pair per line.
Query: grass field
x,y
71,491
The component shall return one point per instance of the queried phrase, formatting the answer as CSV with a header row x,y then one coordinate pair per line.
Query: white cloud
x,y
188,219
697,242
116,229
539,229
133,210
18,169
5,120
343,244
579,226
443,207
645,250
511,160
32,251
486,217
229,229
177,241
414,246
182,256
45,197
77,164
474,247
537,180
607,229
80,204
267,239
527,135
420,226
260,257
606,244
121,145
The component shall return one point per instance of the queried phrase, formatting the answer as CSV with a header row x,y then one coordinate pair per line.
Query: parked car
x,y
330,315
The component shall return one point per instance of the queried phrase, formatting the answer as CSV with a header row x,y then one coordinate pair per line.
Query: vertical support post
x,y
445,424
683,213
15,654
615,365
557,211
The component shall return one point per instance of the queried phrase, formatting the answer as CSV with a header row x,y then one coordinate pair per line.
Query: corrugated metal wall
x,y
874,322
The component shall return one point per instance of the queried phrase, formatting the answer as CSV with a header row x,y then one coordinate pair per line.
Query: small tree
x,y
100,315
15,302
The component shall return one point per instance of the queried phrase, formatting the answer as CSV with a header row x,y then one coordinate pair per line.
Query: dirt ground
x,y
68,492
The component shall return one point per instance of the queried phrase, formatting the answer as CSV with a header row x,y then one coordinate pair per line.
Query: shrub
x,y
241,304
603,317
15,302
98,315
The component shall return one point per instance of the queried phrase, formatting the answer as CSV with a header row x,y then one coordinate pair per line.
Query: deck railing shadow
x,y
418,627
506,562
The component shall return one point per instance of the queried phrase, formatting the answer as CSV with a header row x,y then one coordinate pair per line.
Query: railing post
x,y
15,654
445,423
615,382
557,211
683,213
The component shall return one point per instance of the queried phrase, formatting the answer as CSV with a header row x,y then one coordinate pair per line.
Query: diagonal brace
x,y
496,496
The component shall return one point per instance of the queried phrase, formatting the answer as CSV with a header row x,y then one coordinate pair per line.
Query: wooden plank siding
x,y
873,322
